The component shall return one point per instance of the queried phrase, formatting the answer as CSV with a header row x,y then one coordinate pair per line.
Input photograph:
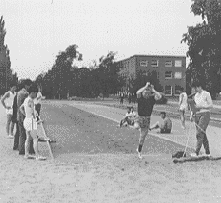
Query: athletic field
x,y
95,161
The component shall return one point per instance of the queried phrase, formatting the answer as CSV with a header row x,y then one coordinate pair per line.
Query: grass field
x,y
96,162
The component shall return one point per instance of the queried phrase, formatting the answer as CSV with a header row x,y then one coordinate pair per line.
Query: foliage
x,y
6,74
204,41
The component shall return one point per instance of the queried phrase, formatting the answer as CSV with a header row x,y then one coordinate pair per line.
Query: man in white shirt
x,y
37,102
7,101
183,106
204,103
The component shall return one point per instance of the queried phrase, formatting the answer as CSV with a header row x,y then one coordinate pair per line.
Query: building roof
x,y
153,56
159,56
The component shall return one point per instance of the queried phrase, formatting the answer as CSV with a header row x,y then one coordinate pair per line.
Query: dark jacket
x,y
21,96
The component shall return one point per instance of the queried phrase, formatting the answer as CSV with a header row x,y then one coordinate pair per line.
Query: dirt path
x,y
96,177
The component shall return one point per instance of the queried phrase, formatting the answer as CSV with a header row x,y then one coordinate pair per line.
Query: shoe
x,y
183,127
40,158
28,157
139,154
194,155
206,155
10,136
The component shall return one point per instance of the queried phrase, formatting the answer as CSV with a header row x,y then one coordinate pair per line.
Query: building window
x,y
178,75
168,64
144,63
168,90
154,63
178,63
158,75
168,75
177,89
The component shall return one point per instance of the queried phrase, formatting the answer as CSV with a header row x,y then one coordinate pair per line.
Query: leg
x,y
202,123
9,119
27,143
22,138
182,118
143,134
12,128
155,126
144,126
16,137
35,140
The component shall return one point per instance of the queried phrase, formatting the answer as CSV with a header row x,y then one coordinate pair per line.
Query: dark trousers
x,y
202,121
22,138
16,137
38,108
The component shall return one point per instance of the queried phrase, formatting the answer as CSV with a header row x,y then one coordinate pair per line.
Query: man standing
x,y
37,102
21,96
7,102
204,103
183,106
146,98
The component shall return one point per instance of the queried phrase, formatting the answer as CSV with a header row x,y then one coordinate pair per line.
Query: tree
x,y
6,76
204,43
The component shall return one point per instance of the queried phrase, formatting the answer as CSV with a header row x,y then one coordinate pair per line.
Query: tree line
x,y
66,80
7,77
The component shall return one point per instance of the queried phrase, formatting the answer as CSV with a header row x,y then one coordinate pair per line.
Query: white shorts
x,y
30,124
9,111
183,108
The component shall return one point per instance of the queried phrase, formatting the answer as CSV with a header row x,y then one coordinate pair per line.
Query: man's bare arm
x,y
6,95
157,95
139,92
22,109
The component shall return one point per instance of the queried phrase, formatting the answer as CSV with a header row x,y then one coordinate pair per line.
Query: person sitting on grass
x,y
165,125
129,117
30,123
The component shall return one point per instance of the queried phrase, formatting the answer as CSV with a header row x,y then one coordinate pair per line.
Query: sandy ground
x,y
95,177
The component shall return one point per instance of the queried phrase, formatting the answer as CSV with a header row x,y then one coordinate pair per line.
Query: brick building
x,y
170,71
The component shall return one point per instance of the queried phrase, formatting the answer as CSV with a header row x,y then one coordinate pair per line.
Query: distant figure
x,y
129,97
183,106
129,117
121,98
134,96
165,125
7,101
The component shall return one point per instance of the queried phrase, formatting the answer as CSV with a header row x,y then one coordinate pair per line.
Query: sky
x,y
38,29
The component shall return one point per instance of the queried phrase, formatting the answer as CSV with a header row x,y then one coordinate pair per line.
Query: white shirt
x,y
183,103
29,107
203,99
9,102
38,101
131,114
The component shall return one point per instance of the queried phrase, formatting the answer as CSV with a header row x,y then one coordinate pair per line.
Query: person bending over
x,y
165,125
30,123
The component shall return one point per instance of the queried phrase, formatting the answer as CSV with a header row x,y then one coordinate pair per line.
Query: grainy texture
x,y
95,177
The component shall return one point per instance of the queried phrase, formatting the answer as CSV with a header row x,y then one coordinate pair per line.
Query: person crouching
x,y
165,125
129,117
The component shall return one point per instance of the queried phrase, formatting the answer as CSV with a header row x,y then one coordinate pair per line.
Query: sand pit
x,y
108,176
